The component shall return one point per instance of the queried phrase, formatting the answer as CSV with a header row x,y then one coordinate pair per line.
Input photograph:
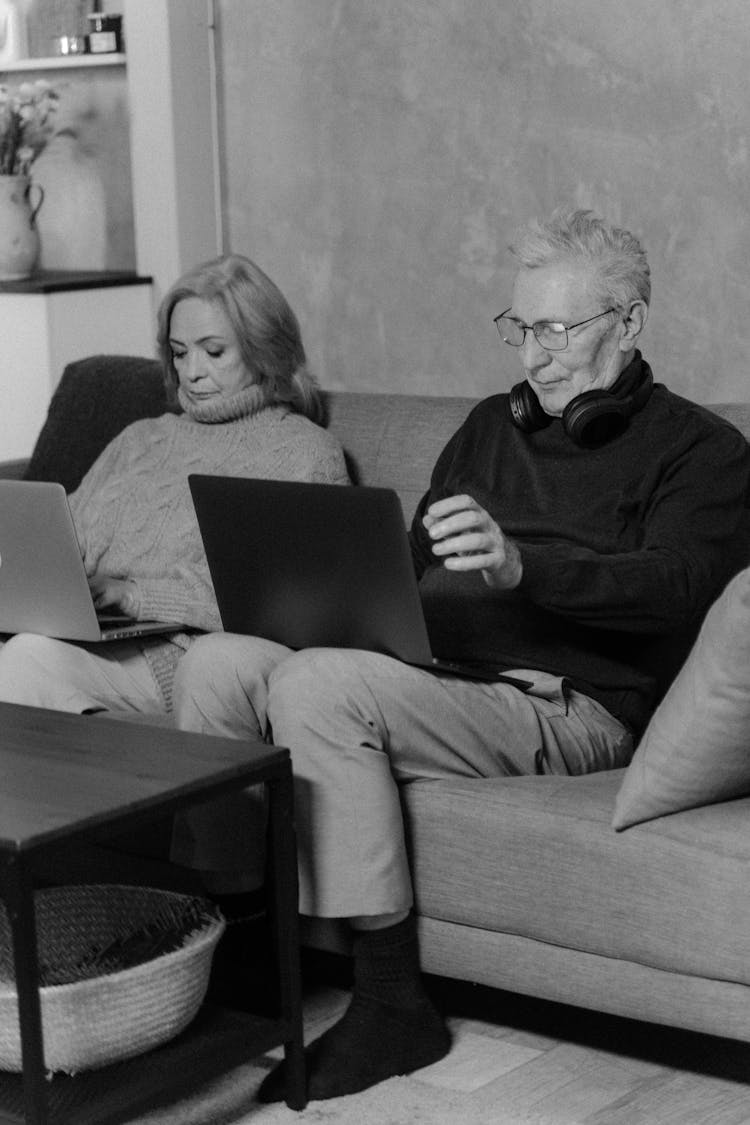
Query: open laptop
x,y
312,565
43,583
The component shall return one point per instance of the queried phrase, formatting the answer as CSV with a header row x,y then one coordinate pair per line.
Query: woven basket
x,y
112,1016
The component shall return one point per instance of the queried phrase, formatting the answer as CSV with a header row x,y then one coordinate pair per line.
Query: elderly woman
x,y
232,352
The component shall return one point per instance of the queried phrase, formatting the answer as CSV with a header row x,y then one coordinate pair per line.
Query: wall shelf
x,y
64,62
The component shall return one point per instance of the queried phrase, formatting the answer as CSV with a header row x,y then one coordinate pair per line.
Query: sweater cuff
x,y
538,577
162,601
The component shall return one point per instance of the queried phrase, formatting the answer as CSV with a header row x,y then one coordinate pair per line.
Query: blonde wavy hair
x,y
267,330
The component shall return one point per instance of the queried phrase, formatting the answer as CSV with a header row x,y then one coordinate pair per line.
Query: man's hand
x,y
119,593
466,537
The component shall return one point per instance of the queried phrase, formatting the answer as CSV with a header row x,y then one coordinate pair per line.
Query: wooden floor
x,y
522,1061
518,1061
597,1070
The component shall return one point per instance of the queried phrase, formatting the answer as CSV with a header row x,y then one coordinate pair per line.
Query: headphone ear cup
x,y
525,410
595,417
591,418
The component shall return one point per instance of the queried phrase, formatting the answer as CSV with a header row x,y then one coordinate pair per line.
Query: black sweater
x,y
623,547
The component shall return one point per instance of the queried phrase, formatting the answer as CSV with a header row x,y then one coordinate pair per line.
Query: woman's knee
x,y
30,667
205,671
206,662
220,684
215,658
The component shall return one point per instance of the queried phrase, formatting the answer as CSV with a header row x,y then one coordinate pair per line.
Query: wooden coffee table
x,y
73,778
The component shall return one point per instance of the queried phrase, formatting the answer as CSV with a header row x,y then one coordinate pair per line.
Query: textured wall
x,y
380,153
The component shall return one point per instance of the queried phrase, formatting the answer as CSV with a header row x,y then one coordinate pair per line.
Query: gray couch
x,y
521,883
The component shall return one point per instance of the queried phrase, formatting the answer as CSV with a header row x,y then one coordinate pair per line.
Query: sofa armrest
x,y
13,470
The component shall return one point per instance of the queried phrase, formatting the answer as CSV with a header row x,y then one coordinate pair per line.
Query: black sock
x,y
386,964
390,1027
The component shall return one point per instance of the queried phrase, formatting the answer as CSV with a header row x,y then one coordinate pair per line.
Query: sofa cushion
x,y
696,748
392,441
537,857
738,413
95,399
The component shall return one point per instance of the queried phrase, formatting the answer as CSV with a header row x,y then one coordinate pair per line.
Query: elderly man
x,y
571,530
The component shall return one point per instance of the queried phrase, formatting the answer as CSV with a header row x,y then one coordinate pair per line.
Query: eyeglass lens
x,y
550,336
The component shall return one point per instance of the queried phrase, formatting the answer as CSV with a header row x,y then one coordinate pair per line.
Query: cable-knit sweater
x,y
134,514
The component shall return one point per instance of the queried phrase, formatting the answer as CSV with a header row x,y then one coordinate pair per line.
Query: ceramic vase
x,y
20,199
14,40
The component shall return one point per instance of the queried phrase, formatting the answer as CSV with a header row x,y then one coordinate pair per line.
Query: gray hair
x,y
622,273
268,332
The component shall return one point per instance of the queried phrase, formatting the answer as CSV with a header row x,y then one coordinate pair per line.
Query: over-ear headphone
x,y
594,417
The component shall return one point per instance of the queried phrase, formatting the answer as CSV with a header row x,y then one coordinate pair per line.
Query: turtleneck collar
x,y
248,401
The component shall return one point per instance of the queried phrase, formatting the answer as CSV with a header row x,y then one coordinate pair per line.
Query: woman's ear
x,y
634,320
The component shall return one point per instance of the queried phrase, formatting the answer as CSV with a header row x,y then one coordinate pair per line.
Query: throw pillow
x,y
696,749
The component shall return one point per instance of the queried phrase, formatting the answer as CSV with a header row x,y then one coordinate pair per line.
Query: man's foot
x,y
371,1042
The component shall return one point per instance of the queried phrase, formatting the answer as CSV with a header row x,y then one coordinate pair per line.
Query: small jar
x,y
105,34
70,45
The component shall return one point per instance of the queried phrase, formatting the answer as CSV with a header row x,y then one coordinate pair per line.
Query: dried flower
x,y
25,124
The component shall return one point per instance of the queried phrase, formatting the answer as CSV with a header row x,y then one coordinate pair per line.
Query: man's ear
x,y
634,321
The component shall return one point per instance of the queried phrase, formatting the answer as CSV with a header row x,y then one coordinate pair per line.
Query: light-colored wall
x,y
171,96
86,218
378,156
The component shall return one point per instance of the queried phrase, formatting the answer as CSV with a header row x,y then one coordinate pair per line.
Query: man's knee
x,y
311,674
313,685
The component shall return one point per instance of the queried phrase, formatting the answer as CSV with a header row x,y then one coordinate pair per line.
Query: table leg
x,y
285,913
18,891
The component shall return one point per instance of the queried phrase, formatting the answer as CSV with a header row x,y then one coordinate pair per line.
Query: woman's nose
x,y
195,365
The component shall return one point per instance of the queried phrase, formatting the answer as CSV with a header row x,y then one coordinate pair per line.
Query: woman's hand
x,y
117,593
466,537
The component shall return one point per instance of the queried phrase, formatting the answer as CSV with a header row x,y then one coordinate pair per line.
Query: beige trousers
x,y
66,676
358,725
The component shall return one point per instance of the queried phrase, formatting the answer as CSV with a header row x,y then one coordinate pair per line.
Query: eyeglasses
x,y
552,335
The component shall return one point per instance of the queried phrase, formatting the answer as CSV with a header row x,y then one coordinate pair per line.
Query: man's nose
x,y
533,355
